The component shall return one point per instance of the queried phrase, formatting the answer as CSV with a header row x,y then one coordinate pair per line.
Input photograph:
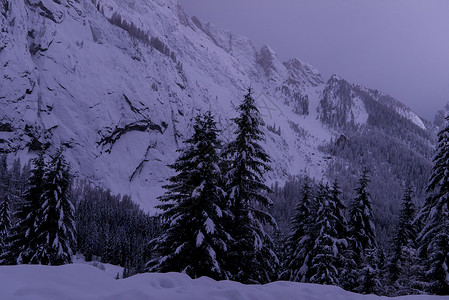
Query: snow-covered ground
x,y
112,271
83,281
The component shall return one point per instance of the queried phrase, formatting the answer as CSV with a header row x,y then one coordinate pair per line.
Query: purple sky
x,y
398,46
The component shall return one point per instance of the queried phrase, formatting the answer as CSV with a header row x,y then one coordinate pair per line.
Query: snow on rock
x,y
268,60
440,116
121,105
400,108
80,281
303,73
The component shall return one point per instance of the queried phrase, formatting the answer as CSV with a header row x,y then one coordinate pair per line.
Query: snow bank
x,y
82,281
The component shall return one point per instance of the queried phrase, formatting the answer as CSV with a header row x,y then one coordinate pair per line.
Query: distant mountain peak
x,y
267,59
440,116
303,72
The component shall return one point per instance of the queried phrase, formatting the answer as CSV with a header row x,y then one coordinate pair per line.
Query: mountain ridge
x,y
118,82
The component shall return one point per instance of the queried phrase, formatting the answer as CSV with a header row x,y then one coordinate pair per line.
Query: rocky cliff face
x,y
117,83
440,116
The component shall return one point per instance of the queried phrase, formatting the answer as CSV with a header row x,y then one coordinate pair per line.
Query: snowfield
x,y
83,281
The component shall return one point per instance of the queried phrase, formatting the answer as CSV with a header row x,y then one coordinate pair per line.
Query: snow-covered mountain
x,y
117,83
441,115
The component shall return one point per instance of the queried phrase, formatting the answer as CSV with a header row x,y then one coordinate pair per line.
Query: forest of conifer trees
x,y
220,219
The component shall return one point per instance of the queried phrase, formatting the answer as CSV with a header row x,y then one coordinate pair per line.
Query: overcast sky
x,y
397,46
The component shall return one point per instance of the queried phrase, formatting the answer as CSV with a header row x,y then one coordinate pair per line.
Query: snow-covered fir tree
x,y
194,238
299,243
5,221
5,213
404,266
362,239
340,222
405,233
369,273
434,215
361,229
324,265
22,243
341,230
330,244
56,229
252,251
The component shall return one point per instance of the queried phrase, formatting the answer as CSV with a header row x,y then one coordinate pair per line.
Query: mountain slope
x,y
118,83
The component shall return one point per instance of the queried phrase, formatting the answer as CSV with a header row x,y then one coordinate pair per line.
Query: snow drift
x,y
81,281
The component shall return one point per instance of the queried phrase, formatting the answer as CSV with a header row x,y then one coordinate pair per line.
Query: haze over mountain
x,y
399,47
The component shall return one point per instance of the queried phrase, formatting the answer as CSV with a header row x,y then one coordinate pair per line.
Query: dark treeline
x,y
385,158
109,228
112,229
389,145
348,246
130,27
138,33
40,227
143,36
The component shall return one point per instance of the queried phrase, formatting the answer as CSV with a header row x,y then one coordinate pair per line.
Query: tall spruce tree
x,y
330,243
434,237
56,231
252,255
362,239
341,226
361,229
369,273
324,254
5,221
299,244
405,233
404,267
194,239
22,242
341,231
5,216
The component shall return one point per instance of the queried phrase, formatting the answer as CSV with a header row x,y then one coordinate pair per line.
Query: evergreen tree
x,y
324,254
361,221
5,217
404,267
434,237
5,221
341,226
56,231
437,261
405,233
194,239
251,253
362,274
369,274
341,231
16,183
22,242
299,242
331,241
